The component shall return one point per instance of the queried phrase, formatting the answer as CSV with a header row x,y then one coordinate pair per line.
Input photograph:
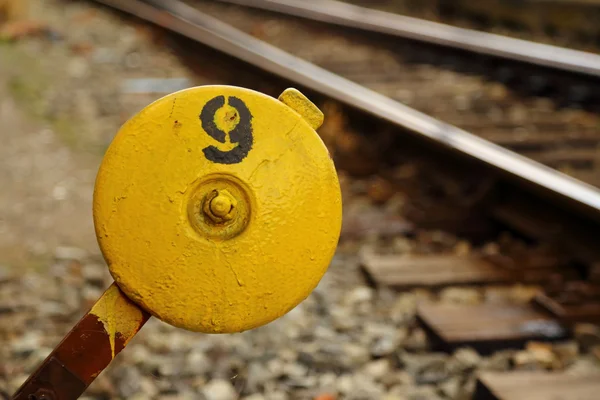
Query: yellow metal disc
x,y
218,208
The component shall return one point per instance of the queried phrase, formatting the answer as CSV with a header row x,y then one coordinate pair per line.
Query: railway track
x,y
214,33
372,20
514,170
504,188
571,23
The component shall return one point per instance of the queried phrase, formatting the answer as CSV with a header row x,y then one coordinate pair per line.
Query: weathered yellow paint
x,y
160,208
118,315
303,106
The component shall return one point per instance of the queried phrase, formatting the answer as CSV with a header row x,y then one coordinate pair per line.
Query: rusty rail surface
x,y
371,20
185,20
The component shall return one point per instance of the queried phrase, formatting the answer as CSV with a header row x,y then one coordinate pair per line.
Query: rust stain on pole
x,y
86,350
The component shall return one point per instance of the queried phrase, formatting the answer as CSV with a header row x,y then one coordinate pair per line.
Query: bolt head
x,y
219,206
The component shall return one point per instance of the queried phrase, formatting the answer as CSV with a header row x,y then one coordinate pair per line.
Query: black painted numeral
x,y
241,134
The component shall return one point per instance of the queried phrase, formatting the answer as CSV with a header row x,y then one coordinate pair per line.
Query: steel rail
x,y
190,22
371,20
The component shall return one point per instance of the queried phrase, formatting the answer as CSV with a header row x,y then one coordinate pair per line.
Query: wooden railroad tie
x,y
537,386
405,271
487,327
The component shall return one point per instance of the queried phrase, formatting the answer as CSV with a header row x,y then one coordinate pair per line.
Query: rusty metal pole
x,y
86,350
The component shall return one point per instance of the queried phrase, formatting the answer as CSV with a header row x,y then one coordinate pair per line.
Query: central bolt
x,y
220,206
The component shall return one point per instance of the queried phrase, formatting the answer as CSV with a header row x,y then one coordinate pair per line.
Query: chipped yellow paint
x,y
303,106
227,118
118,316
180,256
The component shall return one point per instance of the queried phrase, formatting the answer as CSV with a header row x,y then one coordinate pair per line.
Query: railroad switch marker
x,y
217,209
486,327
525,385
405,271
